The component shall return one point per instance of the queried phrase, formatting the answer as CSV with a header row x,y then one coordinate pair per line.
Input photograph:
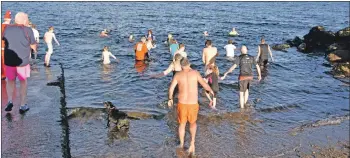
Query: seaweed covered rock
x,y
341,69
281,47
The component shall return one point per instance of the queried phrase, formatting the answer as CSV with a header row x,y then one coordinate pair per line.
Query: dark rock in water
x,y
318,38
281,47
343,34
295,42
341,70
339,56
302,47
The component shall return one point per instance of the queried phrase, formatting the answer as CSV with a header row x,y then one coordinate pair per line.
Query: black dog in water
x,y
116,117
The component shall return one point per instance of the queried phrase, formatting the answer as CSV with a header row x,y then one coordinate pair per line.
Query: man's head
x,y
262,40
143,39
230,42
51,28
208,43
22,19
185,63
149,31
244,49
7,17
173,41
33,26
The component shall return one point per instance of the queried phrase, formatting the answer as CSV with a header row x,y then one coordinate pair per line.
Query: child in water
x,y
213,81
106,54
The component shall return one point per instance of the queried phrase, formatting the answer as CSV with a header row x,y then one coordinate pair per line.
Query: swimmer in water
x,y
205,33
131,38
233,32
150,36
104,33
170,38
106,54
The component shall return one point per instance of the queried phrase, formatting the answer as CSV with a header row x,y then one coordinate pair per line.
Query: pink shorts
x,y
22,72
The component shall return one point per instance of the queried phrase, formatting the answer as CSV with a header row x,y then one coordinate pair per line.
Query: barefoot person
x,y
7,20
209,55
187,108
19,39
106,54
263,53
213,81
48,37
245,62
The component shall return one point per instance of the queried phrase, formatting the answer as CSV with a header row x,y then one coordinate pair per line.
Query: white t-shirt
x,y
230,50
36,35
105,57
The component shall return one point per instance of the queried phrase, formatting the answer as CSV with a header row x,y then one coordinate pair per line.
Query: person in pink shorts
x,y
19,40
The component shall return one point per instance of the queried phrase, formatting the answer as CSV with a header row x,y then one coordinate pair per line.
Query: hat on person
x,y
7,15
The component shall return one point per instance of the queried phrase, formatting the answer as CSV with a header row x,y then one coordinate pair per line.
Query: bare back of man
x,y
209,54
187,108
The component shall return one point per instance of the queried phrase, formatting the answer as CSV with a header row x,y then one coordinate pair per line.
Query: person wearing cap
x,y
187,108
141,51
245,63
19,40
48,37
7,20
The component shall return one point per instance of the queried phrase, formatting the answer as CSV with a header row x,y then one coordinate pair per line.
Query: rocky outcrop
x,y
336,47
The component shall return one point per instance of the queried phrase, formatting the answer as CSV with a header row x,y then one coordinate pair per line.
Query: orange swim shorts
x,y
187,112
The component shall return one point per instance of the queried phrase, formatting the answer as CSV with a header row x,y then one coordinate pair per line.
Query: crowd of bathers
x,y
20,40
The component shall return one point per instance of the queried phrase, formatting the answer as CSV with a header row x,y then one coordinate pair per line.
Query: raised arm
x,y
229,71
270,53
204,84
171,91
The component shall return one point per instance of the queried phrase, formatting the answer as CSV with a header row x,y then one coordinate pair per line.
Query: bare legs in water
x,y
193,129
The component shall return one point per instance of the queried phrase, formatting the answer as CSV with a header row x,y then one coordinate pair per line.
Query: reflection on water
x,y
48,74
106,70
140,66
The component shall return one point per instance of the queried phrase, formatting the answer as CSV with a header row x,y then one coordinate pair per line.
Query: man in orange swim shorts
x,y
187,108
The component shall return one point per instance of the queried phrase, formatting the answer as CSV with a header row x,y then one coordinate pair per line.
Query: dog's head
x,y
109,106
